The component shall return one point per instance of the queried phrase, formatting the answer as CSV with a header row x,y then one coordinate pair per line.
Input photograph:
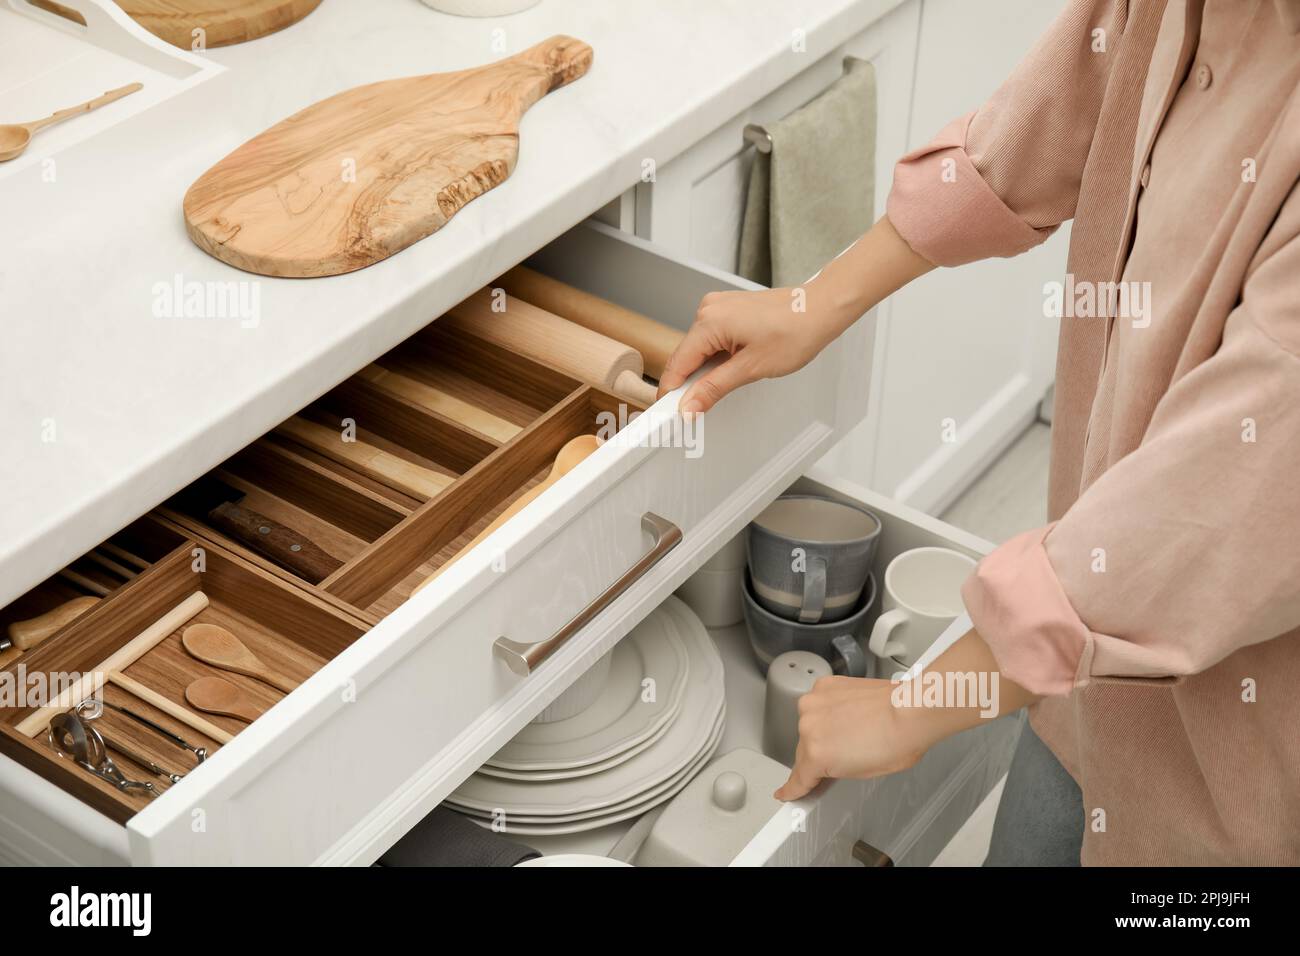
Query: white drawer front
x,y
373,741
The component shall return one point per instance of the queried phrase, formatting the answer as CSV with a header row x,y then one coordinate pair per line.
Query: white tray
x,y
48,63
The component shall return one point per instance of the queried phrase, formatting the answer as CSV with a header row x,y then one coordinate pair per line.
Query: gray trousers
x,y
1040,819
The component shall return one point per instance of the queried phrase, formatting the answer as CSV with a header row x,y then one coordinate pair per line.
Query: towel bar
x,y
759,137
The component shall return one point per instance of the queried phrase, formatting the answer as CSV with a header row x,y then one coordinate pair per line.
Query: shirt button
x,y
1204,76
1146,175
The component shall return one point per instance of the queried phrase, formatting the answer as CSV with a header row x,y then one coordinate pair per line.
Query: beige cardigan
x,y
1160,610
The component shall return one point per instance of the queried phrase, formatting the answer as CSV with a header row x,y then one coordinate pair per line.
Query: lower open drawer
x,y
910,816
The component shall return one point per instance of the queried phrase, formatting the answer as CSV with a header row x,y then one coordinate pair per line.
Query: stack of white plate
x,y
654,725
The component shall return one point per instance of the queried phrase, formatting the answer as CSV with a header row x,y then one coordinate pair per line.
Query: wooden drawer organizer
x,y
490,433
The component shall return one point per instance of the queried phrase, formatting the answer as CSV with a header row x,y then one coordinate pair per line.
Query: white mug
x,y
921,597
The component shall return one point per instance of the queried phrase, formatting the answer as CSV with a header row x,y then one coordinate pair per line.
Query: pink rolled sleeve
x,y
999,181
1185,550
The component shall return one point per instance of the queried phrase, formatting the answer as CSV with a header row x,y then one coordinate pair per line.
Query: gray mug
x,y
837,642
809,557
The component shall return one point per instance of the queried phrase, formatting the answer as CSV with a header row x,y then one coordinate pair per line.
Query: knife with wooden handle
x,y
216,502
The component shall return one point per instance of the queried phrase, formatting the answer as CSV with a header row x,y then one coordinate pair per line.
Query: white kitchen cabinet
x,y
336,771
964,356
326,777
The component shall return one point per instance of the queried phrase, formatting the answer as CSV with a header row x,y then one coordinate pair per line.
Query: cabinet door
x,y
965,355
695,204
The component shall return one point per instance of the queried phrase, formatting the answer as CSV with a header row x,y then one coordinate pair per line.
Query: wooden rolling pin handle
x,y
35,631
633,386
282,545
655,341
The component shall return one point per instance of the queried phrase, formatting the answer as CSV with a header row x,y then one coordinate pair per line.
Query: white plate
x,y
685,739
537,776
619,719
639,801
595,823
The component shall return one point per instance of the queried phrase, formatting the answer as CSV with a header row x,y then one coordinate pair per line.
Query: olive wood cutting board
x,y
223,23
354,178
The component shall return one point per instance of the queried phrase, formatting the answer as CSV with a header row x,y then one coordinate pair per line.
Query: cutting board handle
x,y
563,58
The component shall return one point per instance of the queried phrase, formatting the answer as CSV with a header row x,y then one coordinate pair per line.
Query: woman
x,y
1153,627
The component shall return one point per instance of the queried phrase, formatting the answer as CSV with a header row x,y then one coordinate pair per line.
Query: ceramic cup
x,y
921,595
809,557
838,642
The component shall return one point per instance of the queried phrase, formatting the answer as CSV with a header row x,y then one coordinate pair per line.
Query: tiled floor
x,y
1008,498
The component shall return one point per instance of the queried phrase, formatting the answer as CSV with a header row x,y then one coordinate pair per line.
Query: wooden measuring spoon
x,y
573,452
214,695
15,137
215,645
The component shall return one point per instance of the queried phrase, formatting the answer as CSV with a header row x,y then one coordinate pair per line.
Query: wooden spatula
x,y
353,179
573,452
213,695
215,645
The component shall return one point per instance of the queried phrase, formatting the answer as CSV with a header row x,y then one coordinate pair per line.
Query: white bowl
x,y
572,859
480,8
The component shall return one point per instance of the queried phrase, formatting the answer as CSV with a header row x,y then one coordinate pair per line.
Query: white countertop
x,y
137,406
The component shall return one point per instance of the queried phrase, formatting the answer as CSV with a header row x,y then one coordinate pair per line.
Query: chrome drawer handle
x,y
524,658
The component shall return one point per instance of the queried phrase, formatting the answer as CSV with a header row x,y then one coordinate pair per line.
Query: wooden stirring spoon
x,y
15,137
214,695
215,645
573,452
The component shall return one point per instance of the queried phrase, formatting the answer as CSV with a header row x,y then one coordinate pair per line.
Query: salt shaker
x,y
789,677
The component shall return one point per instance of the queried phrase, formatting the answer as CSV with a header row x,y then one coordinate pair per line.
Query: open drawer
x,y
396,716
910,816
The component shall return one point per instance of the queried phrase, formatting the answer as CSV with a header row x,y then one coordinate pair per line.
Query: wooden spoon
x,y
15,137
215,645
214,695
573,452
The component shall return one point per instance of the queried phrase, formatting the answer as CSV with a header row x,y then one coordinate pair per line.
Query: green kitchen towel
x,y
814,194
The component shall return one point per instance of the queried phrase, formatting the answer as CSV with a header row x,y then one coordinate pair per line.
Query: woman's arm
x,y
778,331
855,728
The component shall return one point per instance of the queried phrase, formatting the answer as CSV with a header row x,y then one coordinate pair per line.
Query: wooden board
x,y
355,178
223,23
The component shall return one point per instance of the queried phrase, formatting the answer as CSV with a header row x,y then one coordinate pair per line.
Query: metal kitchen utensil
x,y
74,738
83,711
142,760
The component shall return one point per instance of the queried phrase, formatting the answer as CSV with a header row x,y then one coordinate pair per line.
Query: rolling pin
x,y
375,462
573,452
435,399
654,340
546,337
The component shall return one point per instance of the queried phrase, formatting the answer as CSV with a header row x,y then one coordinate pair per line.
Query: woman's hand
x,y
849,729
778,331
855,727
766,334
